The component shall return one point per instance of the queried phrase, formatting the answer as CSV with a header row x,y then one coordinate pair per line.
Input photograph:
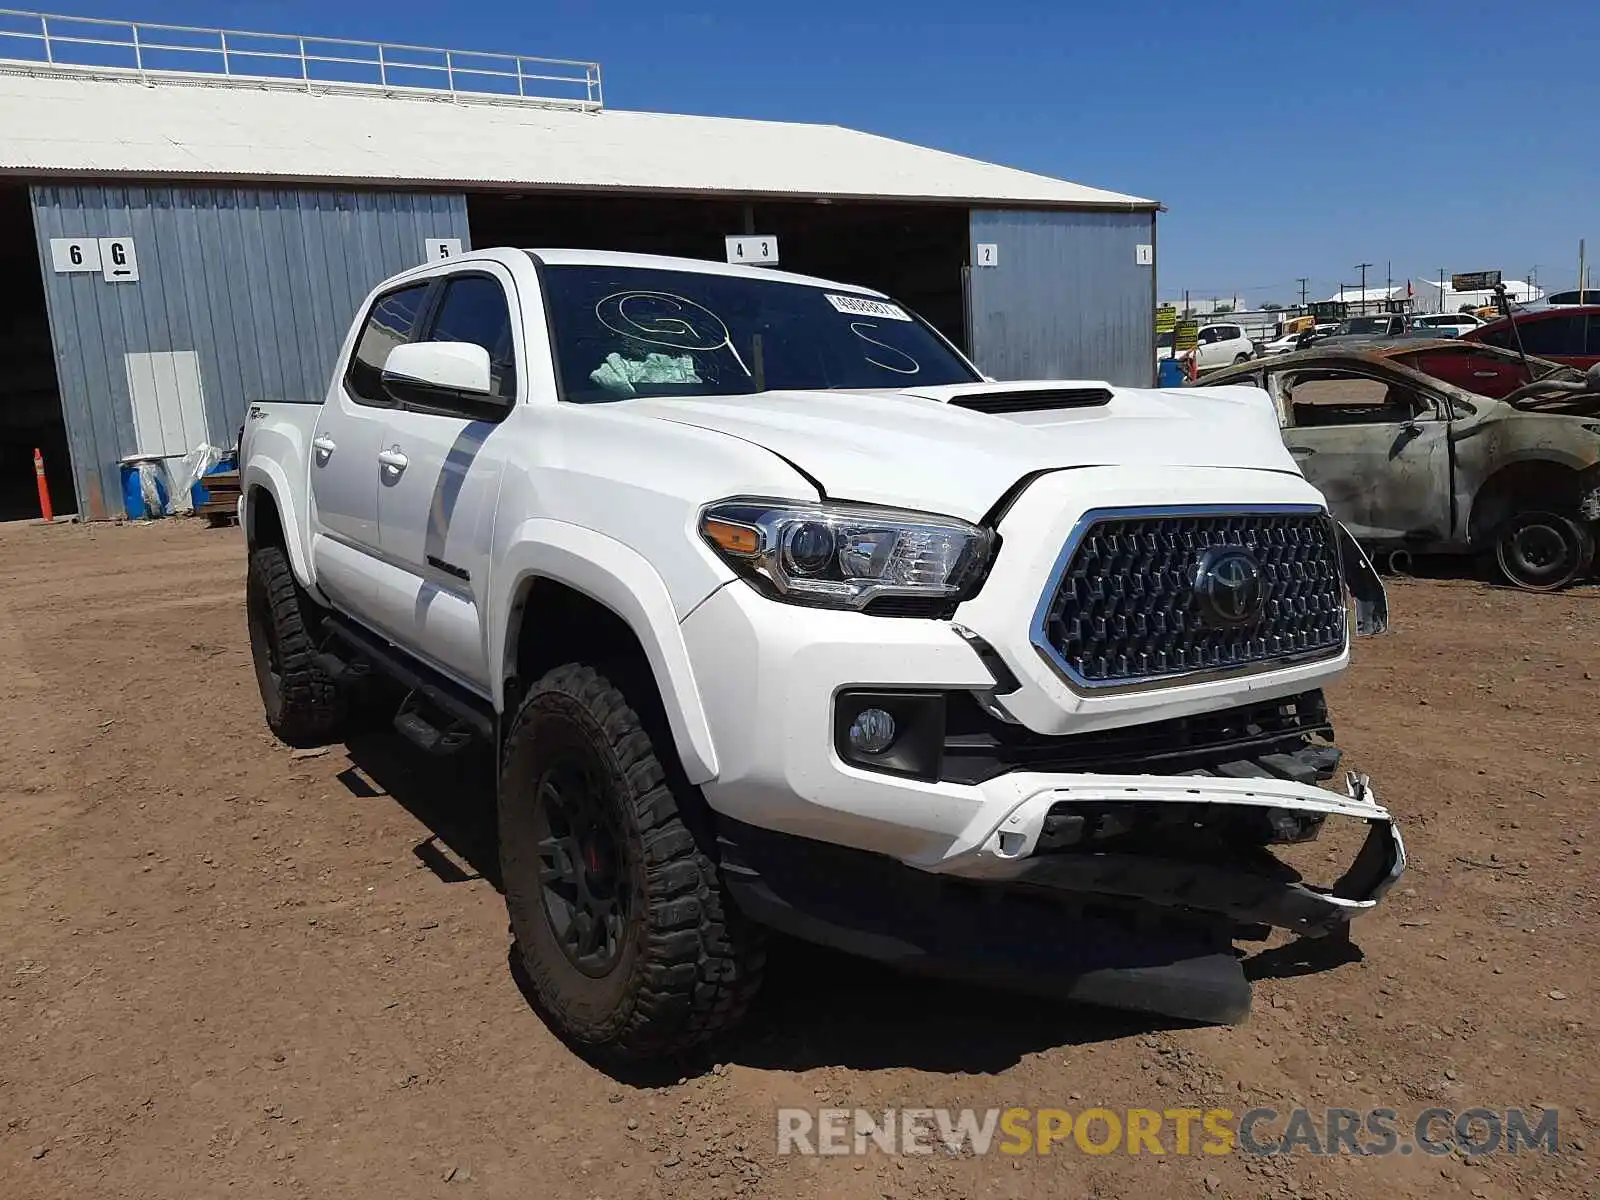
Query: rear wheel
x,y
1542,551
1241,358
632,949
304,706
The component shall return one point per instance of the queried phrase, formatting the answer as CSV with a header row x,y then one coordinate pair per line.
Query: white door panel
x,y
344,493
435,517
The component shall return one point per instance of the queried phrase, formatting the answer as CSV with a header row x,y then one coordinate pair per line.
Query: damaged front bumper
x,y
1193,844
1125,891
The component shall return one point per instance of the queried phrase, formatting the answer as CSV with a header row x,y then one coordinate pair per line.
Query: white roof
x,y
1355,295
102,122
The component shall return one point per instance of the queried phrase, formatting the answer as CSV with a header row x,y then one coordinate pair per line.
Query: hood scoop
x,y
1032,400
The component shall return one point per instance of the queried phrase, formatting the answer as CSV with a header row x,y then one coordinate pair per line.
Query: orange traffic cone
x,y
45,510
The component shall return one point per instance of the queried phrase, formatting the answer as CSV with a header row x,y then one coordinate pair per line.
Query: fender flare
x,y
622,580
266,474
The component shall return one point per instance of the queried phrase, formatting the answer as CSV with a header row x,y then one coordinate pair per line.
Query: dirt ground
x,y
227,968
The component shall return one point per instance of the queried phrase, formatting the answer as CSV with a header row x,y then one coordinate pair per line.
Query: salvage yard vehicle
x,y
1445,324
1447,447
1568,335
1216,346
778,614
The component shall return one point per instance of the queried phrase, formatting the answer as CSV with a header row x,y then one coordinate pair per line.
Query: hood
x,y
915,449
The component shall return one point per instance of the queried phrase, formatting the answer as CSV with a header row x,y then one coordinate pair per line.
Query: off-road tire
x,y
304,706
1568,540
688,962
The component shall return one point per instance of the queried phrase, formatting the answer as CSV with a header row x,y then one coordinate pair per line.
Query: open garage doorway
x,y
914,252
30,401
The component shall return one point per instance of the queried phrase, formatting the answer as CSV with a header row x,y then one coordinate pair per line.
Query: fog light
x,y
872,732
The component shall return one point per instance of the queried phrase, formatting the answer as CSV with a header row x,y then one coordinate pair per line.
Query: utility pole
x,y
1362,267
1442,308
1302,281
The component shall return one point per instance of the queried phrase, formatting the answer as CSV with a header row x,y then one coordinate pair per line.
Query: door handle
x,y
1301,451
323,444
1486,374
393,459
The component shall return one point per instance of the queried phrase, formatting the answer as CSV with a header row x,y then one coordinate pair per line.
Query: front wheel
x,y
622,925
1541,551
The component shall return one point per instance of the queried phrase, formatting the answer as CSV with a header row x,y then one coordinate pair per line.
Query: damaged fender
x,y
1372,602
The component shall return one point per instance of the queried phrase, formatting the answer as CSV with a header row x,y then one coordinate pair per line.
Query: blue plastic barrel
x,y
133,490
1170,373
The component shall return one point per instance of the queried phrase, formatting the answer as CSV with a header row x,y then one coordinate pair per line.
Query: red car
x,y
1568,335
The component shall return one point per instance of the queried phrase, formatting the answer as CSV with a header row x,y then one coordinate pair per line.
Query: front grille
x,y
1128,609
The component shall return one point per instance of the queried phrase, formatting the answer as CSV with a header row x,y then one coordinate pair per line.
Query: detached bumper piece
x,y
1067,948
1131,905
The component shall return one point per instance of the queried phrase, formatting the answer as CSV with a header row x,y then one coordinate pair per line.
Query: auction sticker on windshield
x,y
863,306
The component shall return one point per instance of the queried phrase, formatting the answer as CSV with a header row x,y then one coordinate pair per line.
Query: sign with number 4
x,y
756,249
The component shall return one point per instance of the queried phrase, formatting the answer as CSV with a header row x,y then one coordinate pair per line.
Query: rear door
x,y
440,478
1481,370
344,454
1377,449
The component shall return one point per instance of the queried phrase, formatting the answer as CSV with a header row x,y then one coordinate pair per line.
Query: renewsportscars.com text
x,y
1182,1131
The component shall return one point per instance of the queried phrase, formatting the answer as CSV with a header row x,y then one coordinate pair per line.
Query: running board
x,y
428,737
449,697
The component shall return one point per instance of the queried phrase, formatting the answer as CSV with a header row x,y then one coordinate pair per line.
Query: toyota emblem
x,y
1227,584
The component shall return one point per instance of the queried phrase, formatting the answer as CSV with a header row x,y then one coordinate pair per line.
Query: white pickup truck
x,y
778,614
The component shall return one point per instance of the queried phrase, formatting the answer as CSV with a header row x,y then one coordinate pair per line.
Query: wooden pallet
x,y
222,507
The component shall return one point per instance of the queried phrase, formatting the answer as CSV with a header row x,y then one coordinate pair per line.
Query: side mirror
x,y
441,374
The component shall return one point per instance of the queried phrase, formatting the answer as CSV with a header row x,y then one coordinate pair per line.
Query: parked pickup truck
x,y
778,614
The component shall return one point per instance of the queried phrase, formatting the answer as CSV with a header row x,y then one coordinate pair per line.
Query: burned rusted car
x,y
1446,447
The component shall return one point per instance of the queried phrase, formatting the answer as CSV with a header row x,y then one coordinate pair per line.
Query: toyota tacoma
x,y
779,615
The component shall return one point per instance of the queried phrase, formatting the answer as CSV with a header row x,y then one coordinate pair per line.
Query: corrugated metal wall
x,y
1066,299
260,283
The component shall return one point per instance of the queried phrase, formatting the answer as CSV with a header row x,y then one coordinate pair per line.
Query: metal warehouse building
x,y
189,218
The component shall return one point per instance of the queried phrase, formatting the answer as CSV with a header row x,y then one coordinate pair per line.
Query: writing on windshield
x,y
621,332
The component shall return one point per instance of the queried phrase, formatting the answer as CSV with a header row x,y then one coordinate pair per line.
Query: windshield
x,y
621,332
1366,325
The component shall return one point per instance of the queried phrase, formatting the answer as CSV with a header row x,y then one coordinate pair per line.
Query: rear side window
x,y
1553,335
474,310
388,325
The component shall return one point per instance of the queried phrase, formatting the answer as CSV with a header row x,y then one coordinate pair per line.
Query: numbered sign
x,y
118,263
74,254
1144,255
435,249
756,249
988,255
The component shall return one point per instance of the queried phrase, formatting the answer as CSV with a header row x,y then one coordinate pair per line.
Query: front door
x,y
1377,449
439,481
345,470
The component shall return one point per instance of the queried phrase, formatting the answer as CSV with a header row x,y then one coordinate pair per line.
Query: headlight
x,y
846,555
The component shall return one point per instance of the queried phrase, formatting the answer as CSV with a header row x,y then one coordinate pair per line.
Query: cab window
x,y
388,324
473,309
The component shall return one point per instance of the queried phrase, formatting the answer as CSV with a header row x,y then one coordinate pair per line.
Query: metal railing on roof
x,y
55,40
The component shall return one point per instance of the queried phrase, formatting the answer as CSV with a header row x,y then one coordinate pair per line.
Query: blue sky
x,y
1285,139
